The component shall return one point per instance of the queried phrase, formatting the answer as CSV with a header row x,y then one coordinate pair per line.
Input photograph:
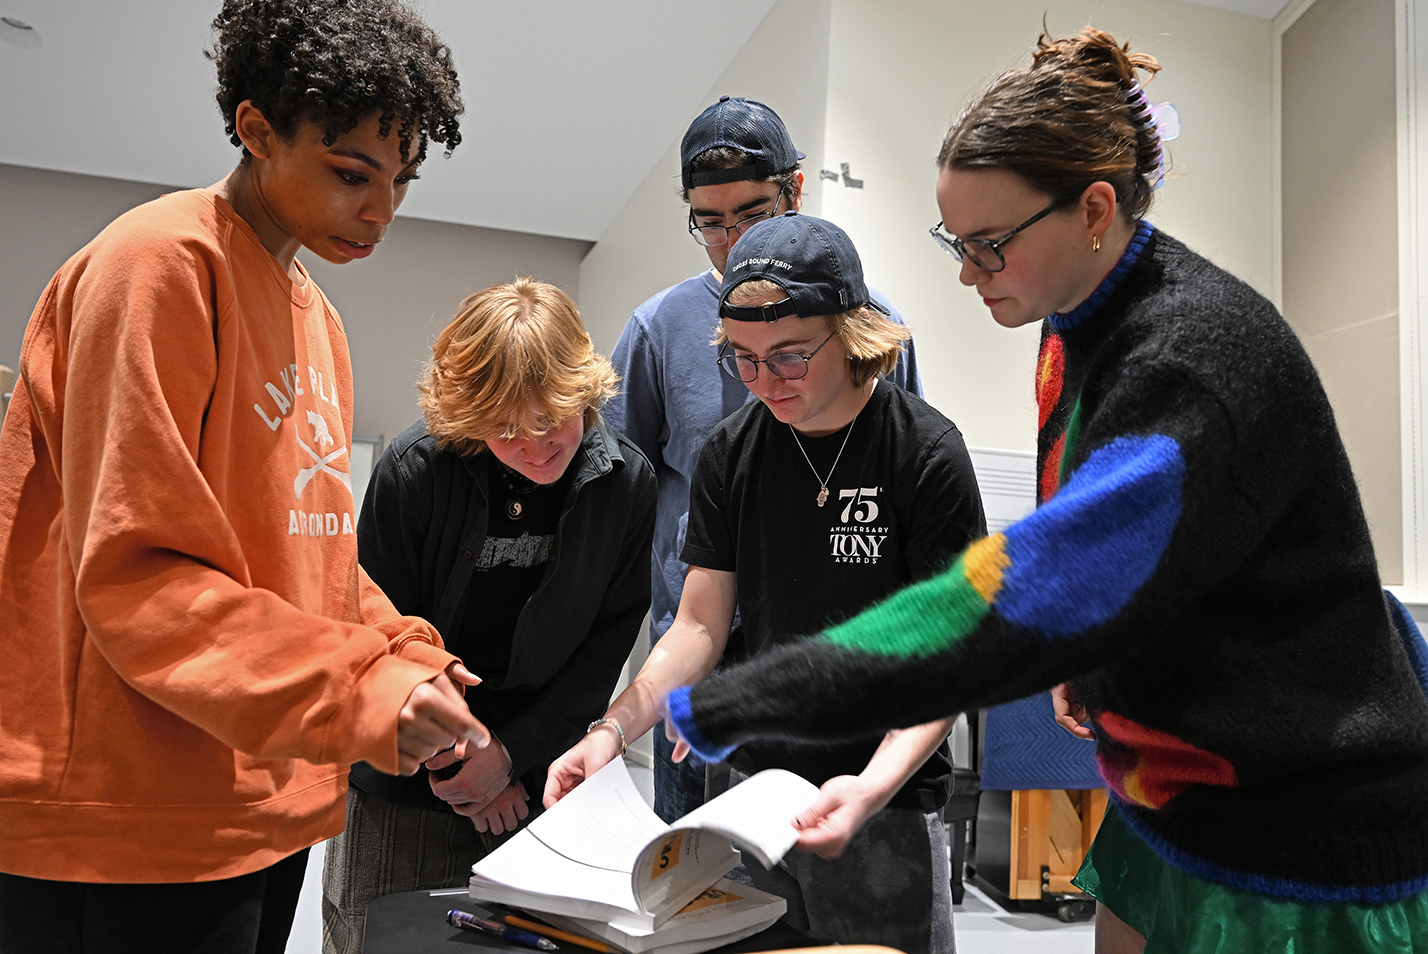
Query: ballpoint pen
x,y
547,931
515,935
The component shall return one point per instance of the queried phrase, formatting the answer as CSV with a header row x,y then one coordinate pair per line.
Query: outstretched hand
x,y
1069,712
844,804
588,756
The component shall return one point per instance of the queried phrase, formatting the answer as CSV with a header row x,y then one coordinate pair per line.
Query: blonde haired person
x,y
873,341
510,346
831,490
520,525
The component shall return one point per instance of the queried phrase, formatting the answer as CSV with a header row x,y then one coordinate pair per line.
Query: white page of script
x,y
757,813
603,823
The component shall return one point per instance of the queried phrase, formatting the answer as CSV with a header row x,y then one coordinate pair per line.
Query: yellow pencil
x,y
555,933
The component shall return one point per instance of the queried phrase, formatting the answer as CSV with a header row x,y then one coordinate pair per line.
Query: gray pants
x,y
892,886
387,848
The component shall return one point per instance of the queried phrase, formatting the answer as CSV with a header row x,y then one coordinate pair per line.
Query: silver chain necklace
x,y
823,481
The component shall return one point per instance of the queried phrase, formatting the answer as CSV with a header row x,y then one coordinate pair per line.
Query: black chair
x,y
961,811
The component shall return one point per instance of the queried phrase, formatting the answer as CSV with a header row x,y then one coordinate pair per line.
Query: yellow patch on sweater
x,y
984,563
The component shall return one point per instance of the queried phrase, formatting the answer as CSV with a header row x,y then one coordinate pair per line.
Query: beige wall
x,y
1340,201
902,72
47,217
888,79
392,305
648,247
395,304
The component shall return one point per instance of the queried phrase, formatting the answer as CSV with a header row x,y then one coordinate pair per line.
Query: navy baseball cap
x,y
743,124
810,258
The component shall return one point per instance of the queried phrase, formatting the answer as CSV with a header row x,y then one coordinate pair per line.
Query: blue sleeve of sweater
x,y
679,713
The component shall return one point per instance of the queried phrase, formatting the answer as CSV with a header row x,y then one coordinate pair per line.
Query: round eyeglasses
x,y
986,254
789,365
714,235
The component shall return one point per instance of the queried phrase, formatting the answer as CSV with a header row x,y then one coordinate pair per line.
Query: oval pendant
x,y
514,509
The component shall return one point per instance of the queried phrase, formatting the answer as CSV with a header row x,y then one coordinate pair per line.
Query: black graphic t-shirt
x,y
902,501
512,562
520,528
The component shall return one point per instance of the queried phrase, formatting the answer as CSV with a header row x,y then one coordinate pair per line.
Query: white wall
x,y
47,217
892,78
392,305
395,304
784,64
1340,177
900,73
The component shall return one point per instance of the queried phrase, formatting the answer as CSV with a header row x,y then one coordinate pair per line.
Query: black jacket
x,y
423,521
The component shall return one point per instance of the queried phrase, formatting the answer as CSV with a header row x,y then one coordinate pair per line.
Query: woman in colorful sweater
x,y
1199,569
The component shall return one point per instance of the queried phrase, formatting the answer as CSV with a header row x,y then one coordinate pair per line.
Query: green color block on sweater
x,y
924,619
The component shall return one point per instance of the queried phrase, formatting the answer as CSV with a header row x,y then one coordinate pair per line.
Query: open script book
x,y
602,853
723,913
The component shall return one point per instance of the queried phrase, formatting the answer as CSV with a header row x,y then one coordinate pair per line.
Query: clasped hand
x,y
482,790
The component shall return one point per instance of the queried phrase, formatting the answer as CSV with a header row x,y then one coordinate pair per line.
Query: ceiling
x,y
1264,9
122,90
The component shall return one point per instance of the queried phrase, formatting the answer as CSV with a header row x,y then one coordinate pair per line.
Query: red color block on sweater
x,y
1149,767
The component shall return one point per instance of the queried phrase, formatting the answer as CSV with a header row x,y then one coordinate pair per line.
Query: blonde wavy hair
x,y
508,347
873,342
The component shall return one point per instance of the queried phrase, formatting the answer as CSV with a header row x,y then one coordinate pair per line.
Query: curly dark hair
x,y
332,62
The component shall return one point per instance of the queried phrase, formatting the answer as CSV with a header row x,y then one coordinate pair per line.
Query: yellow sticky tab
x,y
711,897
668,855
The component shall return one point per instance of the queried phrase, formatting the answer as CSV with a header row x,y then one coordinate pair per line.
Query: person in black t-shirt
x,y
520,525
832,491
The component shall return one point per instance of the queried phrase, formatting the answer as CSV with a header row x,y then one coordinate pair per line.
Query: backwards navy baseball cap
x,y
746,125
811,259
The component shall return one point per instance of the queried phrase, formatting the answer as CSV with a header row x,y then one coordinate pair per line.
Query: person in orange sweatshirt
x,y
193,656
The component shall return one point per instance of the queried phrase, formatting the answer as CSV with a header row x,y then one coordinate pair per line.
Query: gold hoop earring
x,y
1095,243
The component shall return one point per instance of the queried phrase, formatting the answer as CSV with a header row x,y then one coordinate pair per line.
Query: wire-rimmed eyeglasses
x,y
789,365
713,235
986,254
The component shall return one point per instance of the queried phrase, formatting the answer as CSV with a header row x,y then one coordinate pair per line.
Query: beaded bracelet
x,y
610,722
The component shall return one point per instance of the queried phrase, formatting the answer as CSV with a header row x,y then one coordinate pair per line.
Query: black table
x,y
414,922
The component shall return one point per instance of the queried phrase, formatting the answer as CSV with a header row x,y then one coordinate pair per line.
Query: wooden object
x,y
1051,831
1030,844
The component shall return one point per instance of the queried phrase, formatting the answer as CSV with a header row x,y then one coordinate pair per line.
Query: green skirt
x,y
1177,912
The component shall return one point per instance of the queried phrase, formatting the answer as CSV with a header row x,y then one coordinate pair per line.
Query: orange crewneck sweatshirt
x,y
194,656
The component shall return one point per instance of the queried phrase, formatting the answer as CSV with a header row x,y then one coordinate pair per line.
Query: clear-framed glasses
x,y
789,365
712,235
986,254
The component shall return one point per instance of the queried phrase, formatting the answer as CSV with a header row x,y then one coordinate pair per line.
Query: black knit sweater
x,y
1200,566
